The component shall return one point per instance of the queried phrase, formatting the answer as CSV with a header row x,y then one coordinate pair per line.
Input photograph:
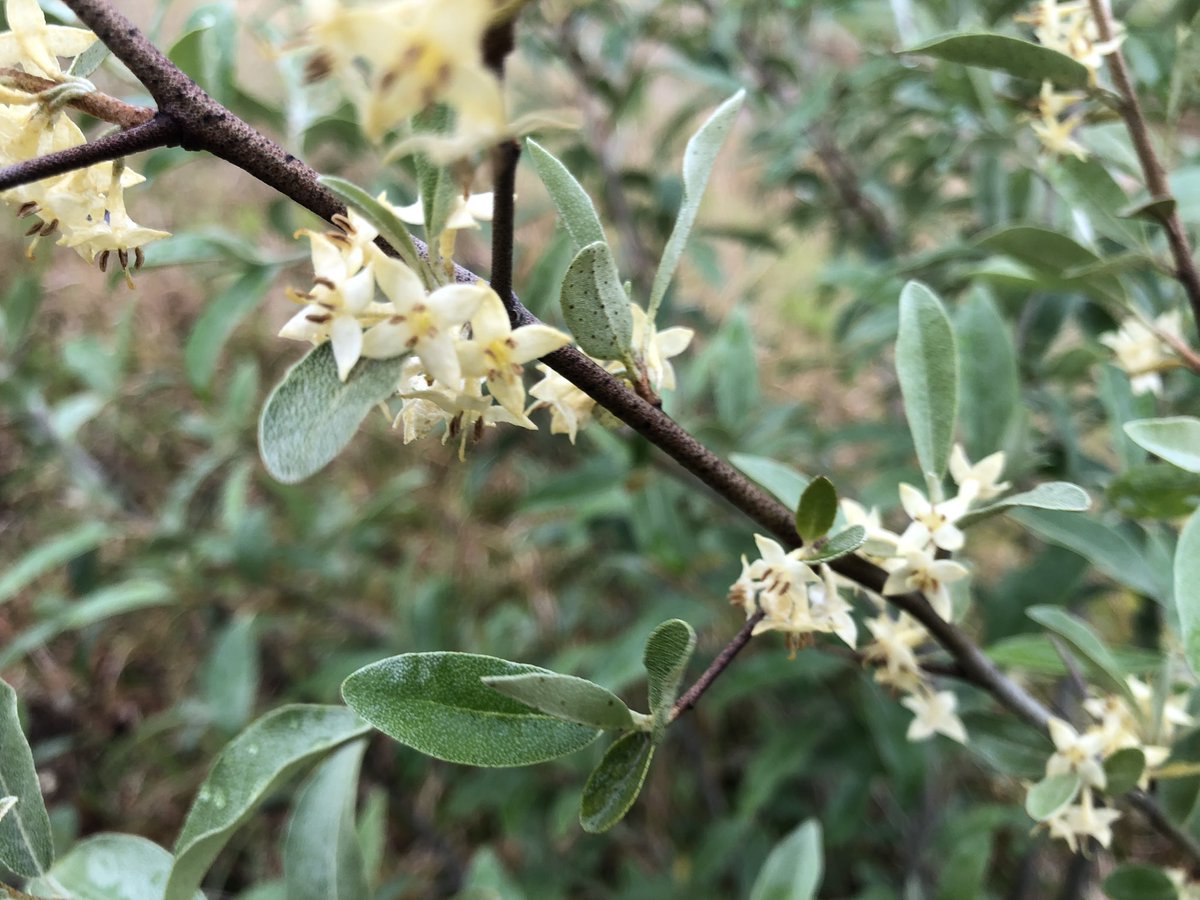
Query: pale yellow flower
x,y
1142,353
936,713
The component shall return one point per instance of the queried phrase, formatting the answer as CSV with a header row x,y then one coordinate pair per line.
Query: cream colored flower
x,y
920,571
1055,130
931,523
34,45
658,348
936,713
894,645
498,352
979,481
881,543
1142,353
1075,752
1085,821
570,408
428,325
466,213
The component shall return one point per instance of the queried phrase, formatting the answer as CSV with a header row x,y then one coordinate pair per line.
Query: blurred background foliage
x,y
159,590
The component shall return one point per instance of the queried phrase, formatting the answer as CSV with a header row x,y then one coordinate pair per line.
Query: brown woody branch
x,y
97,105
1130,108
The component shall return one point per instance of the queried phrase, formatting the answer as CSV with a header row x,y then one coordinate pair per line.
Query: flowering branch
x,y
158,131
207,125
1130,108
204,124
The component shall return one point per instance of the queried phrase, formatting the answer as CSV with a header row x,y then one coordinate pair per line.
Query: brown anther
x,y
325,282
28,208
512,345
102,261
478,430
318,318
35,229
343,222
455,426
139,258
49,228
338,237
319,66
123,257
444,73
396,320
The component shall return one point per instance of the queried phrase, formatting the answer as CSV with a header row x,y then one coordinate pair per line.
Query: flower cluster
x,y
799,601
1118,724
1070,29
571,409
794,597
1142,353
86,207
459,334
396,58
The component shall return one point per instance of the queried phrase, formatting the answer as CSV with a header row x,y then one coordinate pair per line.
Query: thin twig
x,y
718,665
160,131
97,105
498,43
1186,272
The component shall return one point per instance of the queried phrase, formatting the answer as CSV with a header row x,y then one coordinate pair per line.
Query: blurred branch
x,y
159,131
1130,108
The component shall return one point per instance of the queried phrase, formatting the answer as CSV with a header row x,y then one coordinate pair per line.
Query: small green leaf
x,y
437,704
1187,588
26,845
817,509
1139,881
779,478
987,362
1021,59
1155,491
109,866
322,859
1051,795
595,306
312,415
1039,248
1061,495
218,321
249,769
87,62
698,160
380,215
575,209
1106,548
54,553
794,868
566,697
1176,439
229,679
668,650
927,366
1080,637
841,544
616,782
1157,210
1123,770
97,606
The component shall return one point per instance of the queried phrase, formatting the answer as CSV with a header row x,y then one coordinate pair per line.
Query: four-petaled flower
x,y
936,713
428,325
